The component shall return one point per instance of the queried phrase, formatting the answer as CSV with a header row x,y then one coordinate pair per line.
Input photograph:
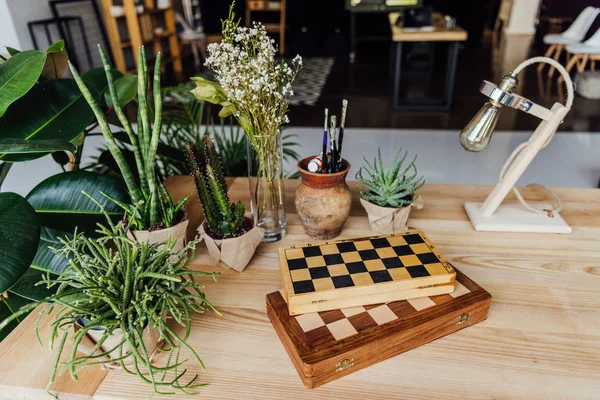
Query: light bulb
x,y
478,132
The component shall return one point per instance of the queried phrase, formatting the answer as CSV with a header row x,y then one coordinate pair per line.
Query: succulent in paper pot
x,y
392,187
391,193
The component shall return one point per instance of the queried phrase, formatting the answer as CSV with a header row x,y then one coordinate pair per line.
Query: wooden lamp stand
x,y
492,215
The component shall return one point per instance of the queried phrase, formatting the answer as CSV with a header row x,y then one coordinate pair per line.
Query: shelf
x,y
156,37
275,27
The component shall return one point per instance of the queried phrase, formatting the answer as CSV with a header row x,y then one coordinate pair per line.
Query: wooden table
x,y
440,33
540,341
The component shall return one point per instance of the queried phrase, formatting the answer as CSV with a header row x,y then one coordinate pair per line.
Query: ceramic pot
x,y
162,235
323,201
234,253
150,337
388,220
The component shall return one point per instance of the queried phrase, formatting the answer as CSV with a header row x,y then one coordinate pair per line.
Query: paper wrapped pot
x,y
388,220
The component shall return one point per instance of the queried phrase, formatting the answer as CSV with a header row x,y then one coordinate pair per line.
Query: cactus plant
x,y
223,219
391,188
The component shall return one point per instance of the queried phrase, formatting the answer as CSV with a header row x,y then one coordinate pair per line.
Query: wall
x,y
523,17
23,11
8,32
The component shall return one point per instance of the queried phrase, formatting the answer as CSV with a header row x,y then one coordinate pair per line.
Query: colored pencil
x,y
332,140
324,168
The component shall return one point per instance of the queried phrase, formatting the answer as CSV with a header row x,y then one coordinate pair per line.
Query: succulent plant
x,y
391,188
224,219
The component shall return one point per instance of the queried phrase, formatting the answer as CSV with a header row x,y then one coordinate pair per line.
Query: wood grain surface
x,y
541,339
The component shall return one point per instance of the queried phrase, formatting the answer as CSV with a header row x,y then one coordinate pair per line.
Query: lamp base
x,y
512,217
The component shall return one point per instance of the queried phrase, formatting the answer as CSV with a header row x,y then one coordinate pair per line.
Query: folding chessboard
x,y
363,271
328,345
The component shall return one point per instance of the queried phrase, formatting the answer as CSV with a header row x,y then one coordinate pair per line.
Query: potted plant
x,y
255,88
151,216
116,300
228,231
390,194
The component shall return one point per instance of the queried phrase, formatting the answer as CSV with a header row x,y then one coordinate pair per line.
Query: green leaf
x,y
26,286
60,204
126,90
208,90
19,237
43,147
18,75
52,110
95,80
56,47
12,51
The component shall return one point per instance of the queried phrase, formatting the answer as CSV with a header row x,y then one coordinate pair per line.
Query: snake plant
x,y
224,219
151,206
392,187
121,286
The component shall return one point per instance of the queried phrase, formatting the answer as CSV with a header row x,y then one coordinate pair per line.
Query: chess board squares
x,y
364,245
356,267
300,275
428,258
382,314
397,241
318,272
298,263
436,269
410,261
342,281
362,321
323,284
348,312
418,271
351,257
415,238
374,265
332,259
459,290
311,321
380,243
421,303
303,287
346,247
337,270
404,250
316,261
441,299
399,274
331,316
386,252
380,276
401,308
391,263
328,249
368,254
311,251
292,254
341,329
362,278
420,248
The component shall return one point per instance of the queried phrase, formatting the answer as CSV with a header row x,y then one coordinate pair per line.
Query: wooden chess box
x,y
357,272
328,345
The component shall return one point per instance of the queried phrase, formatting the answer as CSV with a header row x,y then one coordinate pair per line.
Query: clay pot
x,y
323,201
177,232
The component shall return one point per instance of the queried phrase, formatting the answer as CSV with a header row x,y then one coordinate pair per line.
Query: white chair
x,y
195,39
581,53
573,35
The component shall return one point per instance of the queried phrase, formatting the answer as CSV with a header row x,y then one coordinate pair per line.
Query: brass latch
x,y
463,319
344,365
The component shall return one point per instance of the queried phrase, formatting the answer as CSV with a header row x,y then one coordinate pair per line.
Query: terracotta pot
x,y
162,235
323,201
150,336
234,253
388,220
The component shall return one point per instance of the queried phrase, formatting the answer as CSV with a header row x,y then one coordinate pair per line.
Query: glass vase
x,y
265,173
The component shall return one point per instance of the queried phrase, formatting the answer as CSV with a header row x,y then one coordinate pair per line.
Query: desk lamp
x,y
492,215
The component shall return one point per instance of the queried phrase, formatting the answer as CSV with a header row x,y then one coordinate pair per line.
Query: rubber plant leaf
x,y
126,87
60,204
19,237
52,110
18,74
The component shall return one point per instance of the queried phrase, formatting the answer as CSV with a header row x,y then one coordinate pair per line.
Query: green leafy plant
x,y
392,187
223,219
123,287
42,114
151,206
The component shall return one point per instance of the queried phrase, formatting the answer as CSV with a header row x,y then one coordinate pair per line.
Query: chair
x,y
573,35
581,53
191,37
